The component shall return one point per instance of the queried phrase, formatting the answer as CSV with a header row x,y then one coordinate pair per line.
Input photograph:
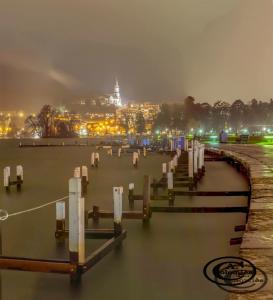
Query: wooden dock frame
x,y
78,263
145,215
19,178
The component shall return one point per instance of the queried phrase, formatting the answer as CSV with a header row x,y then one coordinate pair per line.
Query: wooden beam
x,y
211,193
36,265
109,214
237,209
102,251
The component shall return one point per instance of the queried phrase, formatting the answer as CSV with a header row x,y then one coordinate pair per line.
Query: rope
x,y
4,215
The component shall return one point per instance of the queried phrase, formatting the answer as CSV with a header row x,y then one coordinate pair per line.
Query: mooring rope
x,y
4,215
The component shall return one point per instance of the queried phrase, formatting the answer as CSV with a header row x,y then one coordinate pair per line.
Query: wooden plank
x,y
102,251
96,233
125,214
212,193
36,265
237,209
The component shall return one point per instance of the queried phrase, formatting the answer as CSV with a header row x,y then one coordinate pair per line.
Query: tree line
x,y
216,117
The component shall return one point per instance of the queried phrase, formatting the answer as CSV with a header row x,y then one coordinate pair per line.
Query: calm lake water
x,y
163,261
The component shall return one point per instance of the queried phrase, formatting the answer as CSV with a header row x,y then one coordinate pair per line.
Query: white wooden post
x,y
195,159
131,194
117,196
200,158
97,156
85,172
170,188
76,222
170,181
175,159
119,152
60,219
97,159
144,151
203,157
6,177
20,172
172,144
77,172
190,163
92,159
171,166
186,145
164,169
135,159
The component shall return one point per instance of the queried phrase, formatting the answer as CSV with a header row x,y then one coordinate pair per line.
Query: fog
x,y
58,51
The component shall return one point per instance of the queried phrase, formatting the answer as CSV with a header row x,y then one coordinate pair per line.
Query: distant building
x,y
102,103
115,99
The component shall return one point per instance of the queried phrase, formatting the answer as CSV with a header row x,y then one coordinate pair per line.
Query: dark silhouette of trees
x,y
221,115
48,124
140,123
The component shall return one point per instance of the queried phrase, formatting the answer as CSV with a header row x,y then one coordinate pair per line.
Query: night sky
x,y
160,50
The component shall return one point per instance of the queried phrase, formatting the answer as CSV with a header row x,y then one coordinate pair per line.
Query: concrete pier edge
x,y
257,240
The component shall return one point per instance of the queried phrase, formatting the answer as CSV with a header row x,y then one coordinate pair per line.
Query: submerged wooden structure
x,y
78,262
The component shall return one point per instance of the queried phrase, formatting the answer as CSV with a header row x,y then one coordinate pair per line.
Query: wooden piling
x,y
170,189
117,197
76,226
19,177
84,180
131,195
7,178
146,198
60,220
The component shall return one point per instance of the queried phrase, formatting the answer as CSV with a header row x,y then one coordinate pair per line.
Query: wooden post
x,y
175,161
19,176
200,161
131,195
97,159
96,214
186,145
164,170
84,179
146,198
77,172
144,152
119,152
171,144
138,152
190,167
171,166
117,196
7,178
195,162
92,159
60,220
170,189
135,159
203,158
76,226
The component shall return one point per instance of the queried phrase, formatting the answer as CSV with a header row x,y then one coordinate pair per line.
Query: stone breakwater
x,y
257,240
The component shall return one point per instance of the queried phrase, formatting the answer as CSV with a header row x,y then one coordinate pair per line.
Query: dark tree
x,y
140,123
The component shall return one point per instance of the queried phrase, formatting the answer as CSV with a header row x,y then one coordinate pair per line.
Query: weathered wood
x,y
36,265
211,193
177,209
97,255
146,198
76,222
